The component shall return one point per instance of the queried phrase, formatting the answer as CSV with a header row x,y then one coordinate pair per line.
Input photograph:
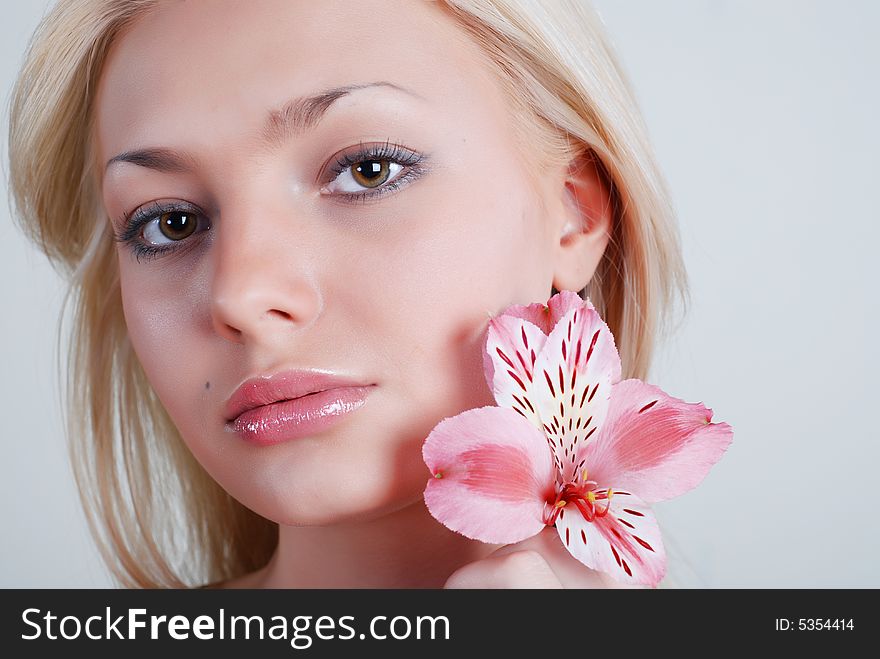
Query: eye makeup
x,y
412,162
137,225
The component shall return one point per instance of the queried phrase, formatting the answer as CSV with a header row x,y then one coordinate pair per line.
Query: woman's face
x,y
299,260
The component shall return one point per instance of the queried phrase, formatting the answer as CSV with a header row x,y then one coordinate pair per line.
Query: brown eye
x,y
177,225
370,173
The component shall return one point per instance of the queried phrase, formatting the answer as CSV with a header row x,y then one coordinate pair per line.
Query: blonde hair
x,y
159,519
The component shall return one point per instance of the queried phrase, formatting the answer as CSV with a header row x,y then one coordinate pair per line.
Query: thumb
x,y
569,570
542,542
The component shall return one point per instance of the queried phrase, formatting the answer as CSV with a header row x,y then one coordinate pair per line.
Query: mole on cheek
x,y
207,385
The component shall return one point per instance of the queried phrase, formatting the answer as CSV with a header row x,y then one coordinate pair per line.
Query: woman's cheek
x,y
166,343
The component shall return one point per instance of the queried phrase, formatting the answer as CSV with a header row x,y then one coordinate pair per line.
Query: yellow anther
x,y
439,474
559,504
610,493
591,497
584,475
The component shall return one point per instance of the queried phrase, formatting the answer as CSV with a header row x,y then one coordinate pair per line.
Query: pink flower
x,y
569,445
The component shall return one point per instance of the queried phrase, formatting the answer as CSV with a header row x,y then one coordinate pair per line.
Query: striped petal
x,y
492,474
625,543
514,339
653,444
545,316
573,377
512,346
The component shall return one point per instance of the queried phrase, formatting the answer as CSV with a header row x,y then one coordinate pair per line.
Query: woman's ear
x,y
583,224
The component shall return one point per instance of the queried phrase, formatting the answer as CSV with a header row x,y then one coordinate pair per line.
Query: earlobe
x,y
587,210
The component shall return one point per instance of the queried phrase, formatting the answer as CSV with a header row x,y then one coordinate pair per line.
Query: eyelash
x,y
385,151
134,222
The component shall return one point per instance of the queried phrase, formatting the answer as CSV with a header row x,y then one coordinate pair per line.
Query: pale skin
x,y
394,290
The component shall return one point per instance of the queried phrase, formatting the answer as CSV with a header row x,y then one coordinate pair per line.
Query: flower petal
x,y
492,473
512,346
653,444
545,316
626,542
573,378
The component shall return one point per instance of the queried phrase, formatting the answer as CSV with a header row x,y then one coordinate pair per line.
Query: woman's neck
x,y
404,549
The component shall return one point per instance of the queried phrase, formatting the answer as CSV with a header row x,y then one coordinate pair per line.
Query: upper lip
x,y
285,385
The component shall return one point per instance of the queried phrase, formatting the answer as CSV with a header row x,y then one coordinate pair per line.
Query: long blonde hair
x,y
159,519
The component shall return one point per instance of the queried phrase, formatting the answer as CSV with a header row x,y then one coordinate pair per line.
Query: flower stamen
x,y
582,493
587,509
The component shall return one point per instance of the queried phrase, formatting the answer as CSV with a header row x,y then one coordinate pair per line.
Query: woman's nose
x,y
262,286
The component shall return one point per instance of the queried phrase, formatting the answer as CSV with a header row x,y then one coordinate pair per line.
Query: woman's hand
x,y
537,562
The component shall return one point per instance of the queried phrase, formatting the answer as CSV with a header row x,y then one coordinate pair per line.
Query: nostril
x,y
230,333
253,305
281,314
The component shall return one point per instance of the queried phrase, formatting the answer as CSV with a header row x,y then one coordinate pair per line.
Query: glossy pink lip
x,y
286,385
291,404
299,417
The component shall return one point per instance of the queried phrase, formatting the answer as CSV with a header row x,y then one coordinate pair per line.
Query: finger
x,y
513,569
568,570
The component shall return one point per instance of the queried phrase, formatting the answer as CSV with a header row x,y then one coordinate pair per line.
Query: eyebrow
x,y
296,116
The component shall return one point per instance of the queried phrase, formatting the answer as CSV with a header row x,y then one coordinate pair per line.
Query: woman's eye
x,y
160,228
365,174
373,171
170,227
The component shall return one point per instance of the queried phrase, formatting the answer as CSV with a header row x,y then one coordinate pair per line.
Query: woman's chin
x,y
330,508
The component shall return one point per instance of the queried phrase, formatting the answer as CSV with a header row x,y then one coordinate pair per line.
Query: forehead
x,y
192,71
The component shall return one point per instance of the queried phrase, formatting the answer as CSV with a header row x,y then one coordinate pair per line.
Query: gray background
x,y
764,118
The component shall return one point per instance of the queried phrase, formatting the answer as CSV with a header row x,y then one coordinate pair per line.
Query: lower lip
x,y
300,417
